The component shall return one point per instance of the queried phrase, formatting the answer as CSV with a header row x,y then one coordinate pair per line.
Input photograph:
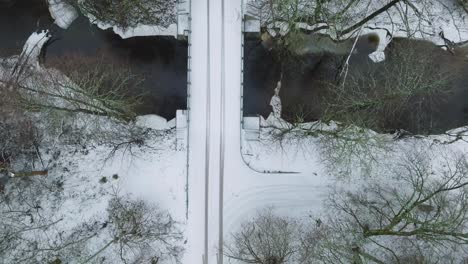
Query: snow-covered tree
x,y
130,13
134,231
95,87
265,239
418,211
342,19
129,231
413,211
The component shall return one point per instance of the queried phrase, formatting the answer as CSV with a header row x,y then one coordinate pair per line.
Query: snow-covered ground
x,y
196,184
155,173
85,170
297,186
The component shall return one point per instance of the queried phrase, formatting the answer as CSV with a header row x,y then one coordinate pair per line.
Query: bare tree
x,y
327,23
136,231
82,86
342,19
402,96
33,229
27,228
464,4
413,211
38,100
266,239
19,139
420,207
130,13
404,92
337,16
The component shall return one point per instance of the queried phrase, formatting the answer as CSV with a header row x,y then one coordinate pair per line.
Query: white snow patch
x,y
156,175
377,56
180,28
63,13
33,46
152,121
275,101
438,17
172,123
139,31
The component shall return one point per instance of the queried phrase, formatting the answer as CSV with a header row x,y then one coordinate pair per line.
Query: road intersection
x,y
221,187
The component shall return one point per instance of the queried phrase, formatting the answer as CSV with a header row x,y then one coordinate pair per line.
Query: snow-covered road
x,y
216,207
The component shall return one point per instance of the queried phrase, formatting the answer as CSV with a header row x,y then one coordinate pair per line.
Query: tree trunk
x,y
28,173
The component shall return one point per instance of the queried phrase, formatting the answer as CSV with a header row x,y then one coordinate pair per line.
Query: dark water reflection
x,y
161,61
18,19
261,72
303,83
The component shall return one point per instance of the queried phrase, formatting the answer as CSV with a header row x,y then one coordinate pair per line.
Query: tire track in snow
x,y
207,131
296,199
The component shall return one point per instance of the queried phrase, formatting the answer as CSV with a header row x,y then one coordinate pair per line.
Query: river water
x,y
303,82
161,61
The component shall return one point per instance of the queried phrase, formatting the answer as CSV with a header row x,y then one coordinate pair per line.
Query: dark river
x,y
304,78
160,61
301,81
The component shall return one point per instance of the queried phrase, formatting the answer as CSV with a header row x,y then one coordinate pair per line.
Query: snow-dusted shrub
x,y
338,17
18,135
27,220
134,231
131,13
34,229
352,149
17,139
138,226
266,239
464,4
